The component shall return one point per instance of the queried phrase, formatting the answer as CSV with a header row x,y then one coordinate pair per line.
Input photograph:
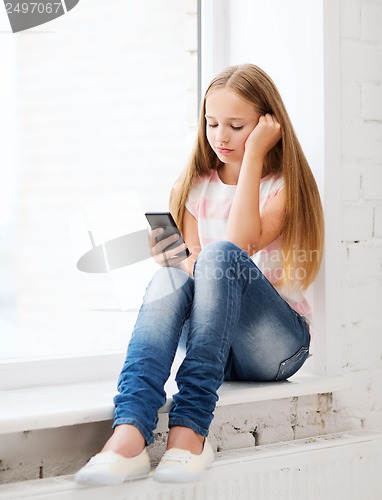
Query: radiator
x,y
342,466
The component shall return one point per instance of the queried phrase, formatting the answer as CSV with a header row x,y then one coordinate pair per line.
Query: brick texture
x,y
361,79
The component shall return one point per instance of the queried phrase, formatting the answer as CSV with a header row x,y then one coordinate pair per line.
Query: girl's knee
x,y
170,275
223,259
166,281
221,251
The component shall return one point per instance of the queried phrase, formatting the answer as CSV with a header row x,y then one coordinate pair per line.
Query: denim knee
x,y
223,259
220,250
221,254
165,282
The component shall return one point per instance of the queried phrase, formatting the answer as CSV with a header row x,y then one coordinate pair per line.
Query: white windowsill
x,y
78,403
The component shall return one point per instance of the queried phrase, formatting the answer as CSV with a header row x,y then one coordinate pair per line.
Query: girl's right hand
x,y
264,136
168,258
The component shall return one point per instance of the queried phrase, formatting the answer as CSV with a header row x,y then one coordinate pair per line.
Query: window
x,y
99,113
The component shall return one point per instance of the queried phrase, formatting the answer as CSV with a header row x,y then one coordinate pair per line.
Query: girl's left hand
x,y
165,258
264,136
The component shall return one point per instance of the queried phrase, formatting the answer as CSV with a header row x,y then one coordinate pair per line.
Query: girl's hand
x,y
165,258
264,136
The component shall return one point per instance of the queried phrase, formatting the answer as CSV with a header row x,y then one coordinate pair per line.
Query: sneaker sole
x,y
179,476
107,480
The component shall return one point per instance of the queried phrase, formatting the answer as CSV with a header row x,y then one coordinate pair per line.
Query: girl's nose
x,y
222,136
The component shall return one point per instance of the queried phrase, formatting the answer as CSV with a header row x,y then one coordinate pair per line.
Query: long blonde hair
x,y
303,228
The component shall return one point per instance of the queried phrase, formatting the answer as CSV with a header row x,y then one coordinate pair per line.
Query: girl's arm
x,y
246,227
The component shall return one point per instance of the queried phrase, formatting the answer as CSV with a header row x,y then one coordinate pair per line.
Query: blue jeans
x,y
234,324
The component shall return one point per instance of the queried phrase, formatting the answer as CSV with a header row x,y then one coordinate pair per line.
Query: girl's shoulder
x,y
196,193
270,187
201,181
200,186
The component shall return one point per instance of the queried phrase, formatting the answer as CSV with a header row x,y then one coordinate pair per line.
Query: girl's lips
x,y
224,151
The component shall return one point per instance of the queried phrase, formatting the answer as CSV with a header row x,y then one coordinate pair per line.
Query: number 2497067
x,y
33,8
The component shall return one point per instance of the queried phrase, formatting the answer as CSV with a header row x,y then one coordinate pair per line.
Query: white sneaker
x,y
111,468
181,466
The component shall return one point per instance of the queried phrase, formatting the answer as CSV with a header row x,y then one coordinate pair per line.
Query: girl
x,y
250,212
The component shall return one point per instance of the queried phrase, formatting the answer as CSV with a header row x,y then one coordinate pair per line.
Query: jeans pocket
x,y
291,365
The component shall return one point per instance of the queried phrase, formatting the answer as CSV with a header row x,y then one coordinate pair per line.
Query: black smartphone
x,y
166,221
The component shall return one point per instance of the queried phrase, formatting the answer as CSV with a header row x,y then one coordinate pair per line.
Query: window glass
x,y
99,116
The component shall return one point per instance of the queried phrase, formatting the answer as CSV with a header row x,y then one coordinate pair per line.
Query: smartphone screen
x,y
166,221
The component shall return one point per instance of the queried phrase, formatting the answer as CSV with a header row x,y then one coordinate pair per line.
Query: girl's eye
x,y
237,128
212,125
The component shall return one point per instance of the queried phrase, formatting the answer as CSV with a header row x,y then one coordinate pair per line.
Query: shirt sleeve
x,y
279,186
194,197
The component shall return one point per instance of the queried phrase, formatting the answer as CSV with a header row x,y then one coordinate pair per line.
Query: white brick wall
x,y
378,222
372,182
361,80
372,102
371,21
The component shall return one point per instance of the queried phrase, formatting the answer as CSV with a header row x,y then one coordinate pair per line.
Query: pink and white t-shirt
x,y
210,201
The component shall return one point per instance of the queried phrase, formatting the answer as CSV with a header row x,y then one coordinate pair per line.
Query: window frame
x,y
214,49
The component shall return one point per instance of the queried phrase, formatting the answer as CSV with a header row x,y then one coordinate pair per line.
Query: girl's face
x,y
230,120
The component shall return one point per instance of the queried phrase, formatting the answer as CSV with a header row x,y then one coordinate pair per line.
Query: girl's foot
x,y
123,457
185,439
186,459
126,440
